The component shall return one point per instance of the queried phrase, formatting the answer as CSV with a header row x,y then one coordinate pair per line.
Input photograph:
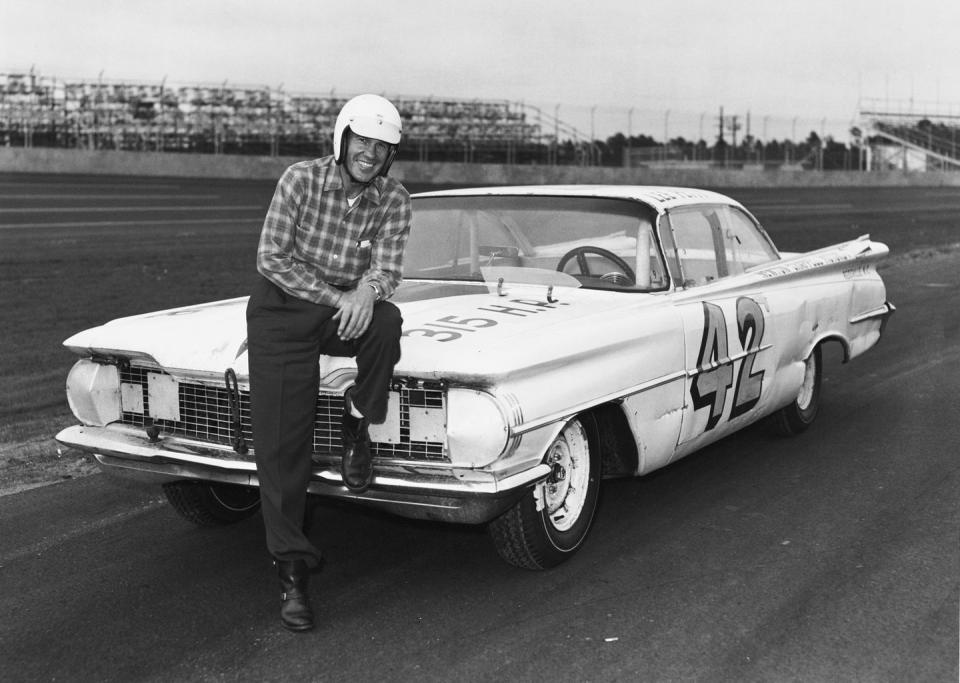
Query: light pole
x,y
763,147
556,134
593,135
822,144
793,137
702,114
162,118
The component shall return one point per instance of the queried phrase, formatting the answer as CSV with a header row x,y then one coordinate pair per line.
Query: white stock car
x,y
553,337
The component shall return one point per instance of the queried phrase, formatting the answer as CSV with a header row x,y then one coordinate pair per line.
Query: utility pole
x,y
721,143
700,137
748,138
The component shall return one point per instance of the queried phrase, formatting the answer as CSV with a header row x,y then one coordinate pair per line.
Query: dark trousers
x,y
285,338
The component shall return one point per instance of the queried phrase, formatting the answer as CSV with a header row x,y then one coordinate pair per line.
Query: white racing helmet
x,y
370,116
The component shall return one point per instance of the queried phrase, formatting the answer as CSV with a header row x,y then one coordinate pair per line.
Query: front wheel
x,y
799,415
549,524
211,504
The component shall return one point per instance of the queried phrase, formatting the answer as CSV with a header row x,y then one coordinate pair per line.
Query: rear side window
x,y
744,245
714,242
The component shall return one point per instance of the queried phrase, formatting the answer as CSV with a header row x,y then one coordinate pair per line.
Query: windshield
x,y
573,241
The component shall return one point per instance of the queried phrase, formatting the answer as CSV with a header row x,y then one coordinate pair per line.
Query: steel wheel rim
x,y
565,491
805,398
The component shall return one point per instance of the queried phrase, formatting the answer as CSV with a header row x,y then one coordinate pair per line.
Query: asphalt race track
x,y
832,556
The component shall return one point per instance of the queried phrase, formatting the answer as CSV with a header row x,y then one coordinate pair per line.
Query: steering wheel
x,y
580,253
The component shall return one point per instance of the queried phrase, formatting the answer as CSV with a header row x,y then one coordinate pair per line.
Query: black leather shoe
x,y
356,465
295,611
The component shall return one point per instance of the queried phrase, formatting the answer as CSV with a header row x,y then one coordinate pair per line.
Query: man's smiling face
x,y
365,157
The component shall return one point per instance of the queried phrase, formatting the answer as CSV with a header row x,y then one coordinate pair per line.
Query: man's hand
x,y
356,311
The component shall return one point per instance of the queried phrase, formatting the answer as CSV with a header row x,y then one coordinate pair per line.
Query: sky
x,y
658,67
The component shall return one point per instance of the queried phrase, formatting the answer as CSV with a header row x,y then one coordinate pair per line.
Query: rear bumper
x,y
420,490
881,313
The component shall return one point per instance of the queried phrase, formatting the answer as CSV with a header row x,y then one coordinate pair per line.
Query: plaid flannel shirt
x,y
313,244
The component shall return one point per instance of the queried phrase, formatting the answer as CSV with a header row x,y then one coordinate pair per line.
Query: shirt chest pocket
x,y
363,233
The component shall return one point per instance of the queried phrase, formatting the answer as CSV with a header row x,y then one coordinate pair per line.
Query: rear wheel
x,y
211,504
799,415
550,523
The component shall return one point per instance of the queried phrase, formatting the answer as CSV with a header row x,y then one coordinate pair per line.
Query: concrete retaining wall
x,y
45,160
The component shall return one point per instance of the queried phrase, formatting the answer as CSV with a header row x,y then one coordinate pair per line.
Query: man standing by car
x,y
330,255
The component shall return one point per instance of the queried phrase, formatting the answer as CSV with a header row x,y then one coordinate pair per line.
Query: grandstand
x,y
42,111
910,136
97,114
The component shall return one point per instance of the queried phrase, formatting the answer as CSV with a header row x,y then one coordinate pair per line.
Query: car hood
x,y
470,332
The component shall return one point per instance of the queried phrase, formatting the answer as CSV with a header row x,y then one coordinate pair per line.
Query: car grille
x,y
205,414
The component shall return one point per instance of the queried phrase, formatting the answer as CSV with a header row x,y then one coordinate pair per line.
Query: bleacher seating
x,y
939,138
94,114
932,137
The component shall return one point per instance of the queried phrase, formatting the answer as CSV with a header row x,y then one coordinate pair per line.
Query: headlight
x,y
93,392
476,428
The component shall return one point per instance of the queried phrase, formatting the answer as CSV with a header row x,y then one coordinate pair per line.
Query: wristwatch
x,y
376,290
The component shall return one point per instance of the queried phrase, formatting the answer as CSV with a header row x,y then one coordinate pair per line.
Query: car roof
x,y
660,197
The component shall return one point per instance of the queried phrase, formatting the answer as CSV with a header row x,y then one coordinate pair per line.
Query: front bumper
x,y
418,490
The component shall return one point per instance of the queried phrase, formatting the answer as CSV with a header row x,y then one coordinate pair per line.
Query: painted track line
x,y
140,209
115,195
94,224
58,182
